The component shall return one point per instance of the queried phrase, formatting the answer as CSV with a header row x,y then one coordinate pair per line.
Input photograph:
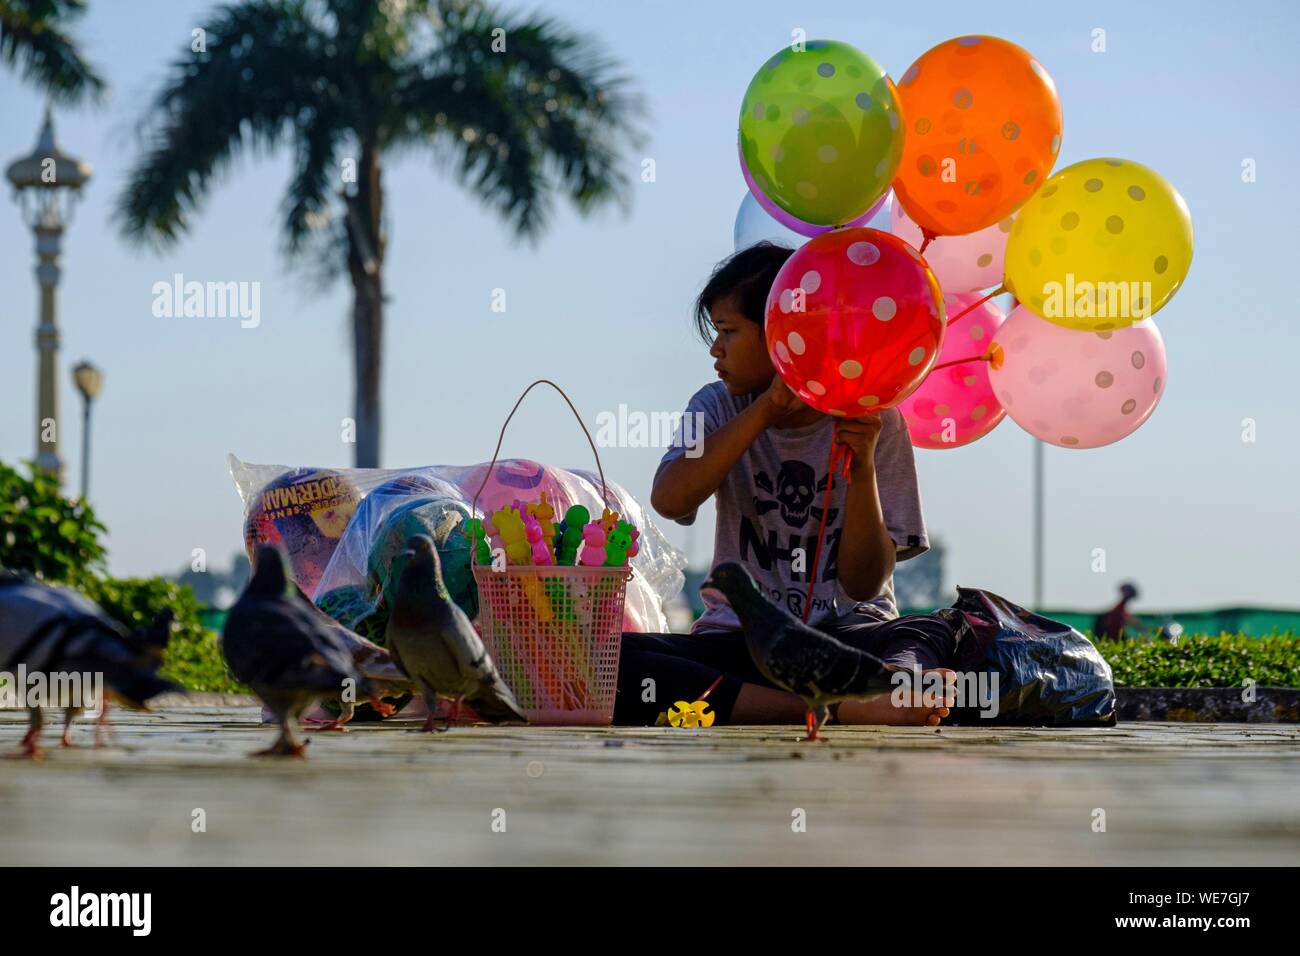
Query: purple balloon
x,y
789,221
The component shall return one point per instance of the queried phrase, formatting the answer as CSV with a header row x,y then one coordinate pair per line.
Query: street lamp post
x,y
89,380
1038,525
46,184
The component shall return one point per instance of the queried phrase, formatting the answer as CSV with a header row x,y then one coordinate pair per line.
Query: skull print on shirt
x,y
796,491
794,498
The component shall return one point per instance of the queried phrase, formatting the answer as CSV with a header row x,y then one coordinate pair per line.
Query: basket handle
x,y
604,492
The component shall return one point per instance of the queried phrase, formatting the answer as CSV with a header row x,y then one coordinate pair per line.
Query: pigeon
x,y
434,643
281,648
794,656
375,664
58,632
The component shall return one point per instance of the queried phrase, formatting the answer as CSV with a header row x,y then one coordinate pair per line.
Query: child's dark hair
x,y
747,276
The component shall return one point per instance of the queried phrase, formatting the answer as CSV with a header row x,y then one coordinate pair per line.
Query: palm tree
x,y
31,39
516,108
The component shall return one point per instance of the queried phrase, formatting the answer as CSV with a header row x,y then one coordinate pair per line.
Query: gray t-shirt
x,y
771,503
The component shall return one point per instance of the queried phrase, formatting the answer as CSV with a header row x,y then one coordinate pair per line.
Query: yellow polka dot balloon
x,y
1104,244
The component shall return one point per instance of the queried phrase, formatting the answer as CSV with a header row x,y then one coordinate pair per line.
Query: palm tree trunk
x,y
365,267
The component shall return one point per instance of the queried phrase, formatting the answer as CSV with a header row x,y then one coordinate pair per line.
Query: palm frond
x,y
264,73
317,174
549,110
31,39
477,132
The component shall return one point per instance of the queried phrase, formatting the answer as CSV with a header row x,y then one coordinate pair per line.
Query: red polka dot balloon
x,y
855,319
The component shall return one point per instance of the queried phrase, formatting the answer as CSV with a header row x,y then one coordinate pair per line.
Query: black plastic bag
x,y
1048,674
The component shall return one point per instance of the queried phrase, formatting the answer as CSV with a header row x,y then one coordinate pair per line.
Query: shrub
x,y
45,534
1204,660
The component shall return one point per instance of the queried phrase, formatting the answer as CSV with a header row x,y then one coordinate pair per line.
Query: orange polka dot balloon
x,y
983,127
855,319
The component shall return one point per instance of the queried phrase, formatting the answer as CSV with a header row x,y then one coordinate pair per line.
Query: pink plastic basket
x,y
554,631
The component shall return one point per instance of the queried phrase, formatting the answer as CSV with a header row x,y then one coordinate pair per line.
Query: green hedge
x,y
1204,660
43,533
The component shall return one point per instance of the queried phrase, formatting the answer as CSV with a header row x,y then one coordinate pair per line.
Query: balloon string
x,y
926,238
986,357
975,305
831,467
712,687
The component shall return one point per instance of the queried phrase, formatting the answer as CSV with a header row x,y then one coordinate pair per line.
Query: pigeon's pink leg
x,y
31,743
346,712
813,727
285,745
66,739
283,748
382,707
431,706
101,724
31,748
335,724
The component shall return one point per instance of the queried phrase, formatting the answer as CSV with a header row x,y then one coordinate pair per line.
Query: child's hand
x,y
782,402
859,435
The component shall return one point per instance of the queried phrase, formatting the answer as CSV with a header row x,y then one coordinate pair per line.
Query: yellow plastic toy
x,y
545,515
514,538
688,714
609,521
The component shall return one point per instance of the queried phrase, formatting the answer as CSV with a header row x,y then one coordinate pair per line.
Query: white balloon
x,y
880,219
754,225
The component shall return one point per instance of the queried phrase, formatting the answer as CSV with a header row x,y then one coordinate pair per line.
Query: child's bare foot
x,y
921,707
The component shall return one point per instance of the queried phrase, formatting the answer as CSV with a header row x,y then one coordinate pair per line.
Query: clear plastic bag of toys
x,y
342,528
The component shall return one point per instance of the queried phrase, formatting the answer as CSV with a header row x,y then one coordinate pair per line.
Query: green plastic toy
x,y
570,536
617,545
482,552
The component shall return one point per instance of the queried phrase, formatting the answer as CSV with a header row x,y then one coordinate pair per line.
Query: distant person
x,y
1112,624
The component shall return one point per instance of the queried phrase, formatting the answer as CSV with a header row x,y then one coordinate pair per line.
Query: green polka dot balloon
x,y
820,132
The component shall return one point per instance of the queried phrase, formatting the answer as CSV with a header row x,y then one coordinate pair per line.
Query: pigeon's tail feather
x,y
869,681
138,687
497,703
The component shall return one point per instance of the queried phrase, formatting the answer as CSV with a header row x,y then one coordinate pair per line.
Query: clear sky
x,y
1184,506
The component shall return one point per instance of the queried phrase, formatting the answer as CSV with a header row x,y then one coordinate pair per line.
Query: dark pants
x,y
684,666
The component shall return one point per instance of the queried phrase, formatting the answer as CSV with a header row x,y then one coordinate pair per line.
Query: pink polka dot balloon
x,y
960,263
955,405
854,321
1078,389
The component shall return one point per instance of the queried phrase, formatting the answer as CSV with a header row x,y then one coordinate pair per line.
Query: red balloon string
x,y
927,237
712,688
986,357
975,305
832,466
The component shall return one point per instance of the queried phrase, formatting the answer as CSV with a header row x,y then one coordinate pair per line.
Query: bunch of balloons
x,y
861,319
